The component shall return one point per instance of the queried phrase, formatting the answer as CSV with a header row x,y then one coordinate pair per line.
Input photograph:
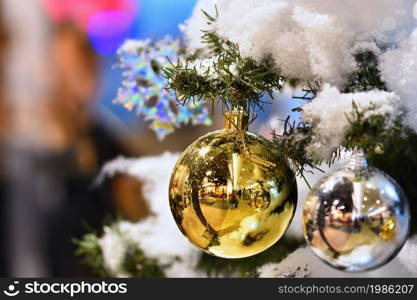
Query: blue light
x,y
158,18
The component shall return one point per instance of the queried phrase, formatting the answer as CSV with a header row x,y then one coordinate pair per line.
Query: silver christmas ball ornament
x,y
356,218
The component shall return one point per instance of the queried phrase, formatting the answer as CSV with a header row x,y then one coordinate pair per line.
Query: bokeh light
x,y
107,22
108,29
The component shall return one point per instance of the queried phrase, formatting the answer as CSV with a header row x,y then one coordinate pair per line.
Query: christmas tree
x,y
351,64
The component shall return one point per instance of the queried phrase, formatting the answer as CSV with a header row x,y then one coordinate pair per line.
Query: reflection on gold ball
x,y
232,197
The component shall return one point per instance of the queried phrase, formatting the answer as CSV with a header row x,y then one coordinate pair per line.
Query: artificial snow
x,y
399,70
308,39
329,112
157,235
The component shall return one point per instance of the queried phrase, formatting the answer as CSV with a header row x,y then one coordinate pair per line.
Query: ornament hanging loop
x,y
238,120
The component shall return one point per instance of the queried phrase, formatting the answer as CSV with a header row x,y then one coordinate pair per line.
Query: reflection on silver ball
x,y
356,218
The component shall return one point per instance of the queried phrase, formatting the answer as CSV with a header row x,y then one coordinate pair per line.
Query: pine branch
x,y
134,264
220,74
247,267
92,256
292,144
368,76
368,129
371,133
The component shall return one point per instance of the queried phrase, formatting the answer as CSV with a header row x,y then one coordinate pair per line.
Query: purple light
x,y
108,29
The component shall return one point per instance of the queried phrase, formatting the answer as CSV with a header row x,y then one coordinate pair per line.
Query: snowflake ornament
x,y
144,86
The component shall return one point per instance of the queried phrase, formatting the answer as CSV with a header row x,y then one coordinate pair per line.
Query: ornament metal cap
x,y
358,160
236,119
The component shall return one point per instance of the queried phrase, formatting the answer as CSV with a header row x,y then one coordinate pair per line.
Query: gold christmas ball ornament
x,y
356,218
231,193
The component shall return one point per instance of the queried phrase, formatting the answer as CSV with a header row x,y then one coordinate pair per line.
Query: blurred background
x,y
58,124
